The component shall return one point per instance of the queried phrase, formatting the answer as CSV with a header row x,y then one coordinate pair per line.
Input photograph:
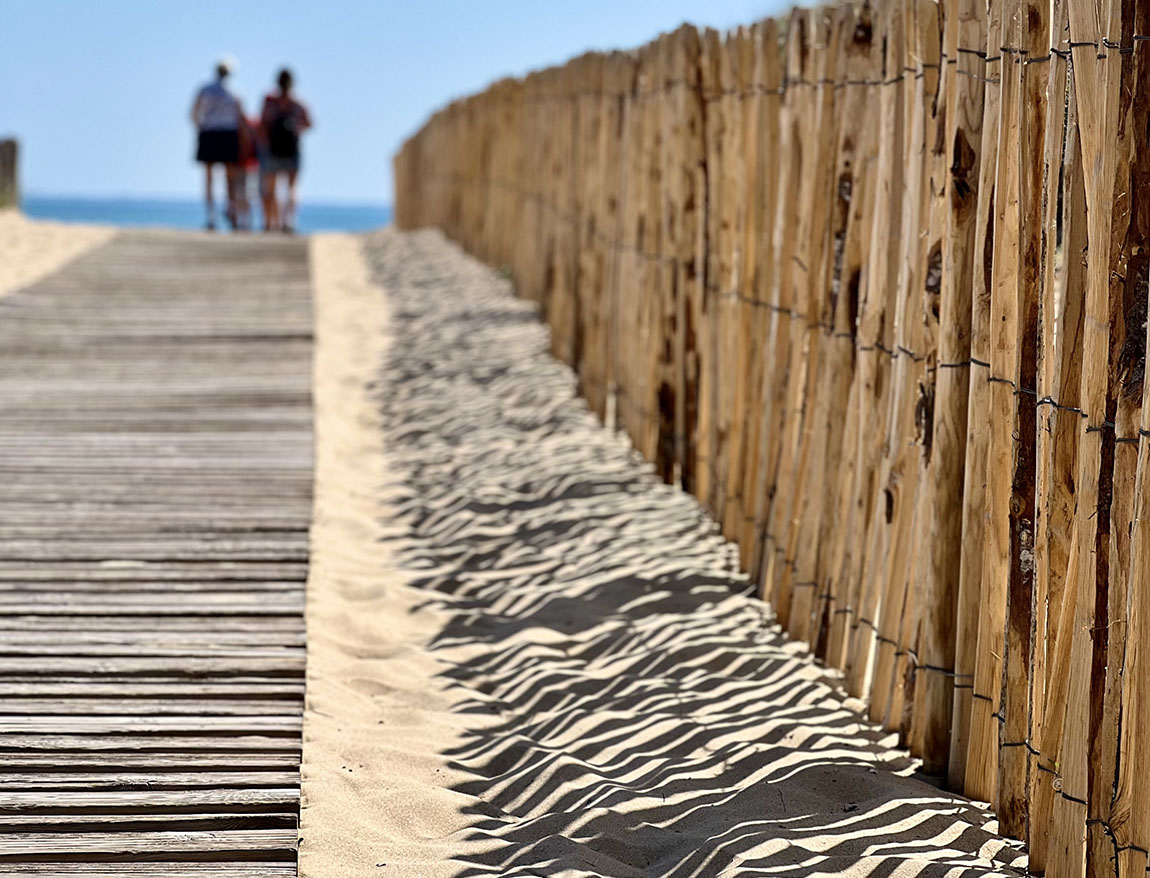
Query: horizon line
x,y
326,201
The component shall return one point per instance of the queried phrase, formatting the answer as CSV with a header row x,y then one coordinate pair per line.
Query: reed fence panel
x,y
871,283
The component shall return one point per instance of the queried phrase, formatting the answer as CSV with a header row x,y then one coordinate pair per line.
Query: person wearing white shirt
x,y
217,115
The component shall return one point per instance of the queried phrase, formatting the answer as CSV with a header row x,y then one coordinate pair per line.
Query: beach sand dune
x,y
31,249
529,657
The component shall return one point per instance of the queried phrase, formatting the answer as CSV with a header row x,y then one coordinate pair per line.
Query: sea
x,y
189,213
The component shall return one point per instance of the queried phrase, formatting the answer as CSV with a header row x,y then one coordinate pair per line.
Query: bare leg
x,y
232,173
271,209
209,203
289,212
243,200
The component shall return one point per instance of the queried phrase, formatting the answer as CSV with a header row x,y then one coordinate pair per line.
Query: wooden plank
x,y
781,328
174,667
113,822
772,130
1130,240
876,341
841,271
153,800
1056,501
977,436
1130,812
64,761
962,86
903,710
244,706
157,446
744,392
907,429
686,185
153,779
1005,319
795,577
145,725
185,743
142,844
1097,83
806,98
851,515
157,869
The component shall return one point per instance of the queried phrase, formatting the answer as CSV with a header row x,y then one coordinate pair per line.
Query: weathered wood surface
x,y
156,462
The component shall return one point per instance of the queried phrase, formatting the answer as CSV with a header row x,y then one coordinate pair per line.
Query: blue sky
x,y
98,91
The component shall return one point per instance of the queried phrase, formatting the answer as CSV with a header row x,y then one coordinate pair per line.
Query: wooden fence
x,y
9,180
871,283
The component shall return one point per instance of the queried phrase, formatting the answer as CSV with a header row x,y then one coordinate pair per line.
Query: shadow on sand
x,y
644,716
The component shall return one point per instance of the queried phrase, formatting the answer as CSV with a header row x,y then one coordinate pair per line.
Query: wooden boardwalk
x,y
155,496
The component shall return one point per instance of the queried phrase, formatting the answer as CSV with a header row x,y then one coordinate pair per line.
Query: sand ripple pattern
x,y
643,714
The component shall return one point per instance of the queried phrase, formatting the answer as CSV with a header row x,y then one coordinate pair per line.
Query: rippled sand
x,y
527,656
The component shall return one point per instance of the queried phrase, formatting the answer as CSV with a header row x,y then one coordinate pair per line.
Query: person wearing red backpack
x,y
282,121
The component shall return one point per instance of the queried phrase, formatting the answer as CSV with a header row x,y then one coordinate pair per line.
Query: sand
x,y
527,656
31,249
376,789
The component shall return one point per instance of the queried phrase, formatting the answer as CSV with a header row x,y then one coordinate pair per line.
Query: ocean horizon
x,y
188,213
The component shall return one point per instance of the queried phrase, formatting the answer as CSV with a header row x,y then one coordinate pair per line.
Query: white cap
x,y
228,63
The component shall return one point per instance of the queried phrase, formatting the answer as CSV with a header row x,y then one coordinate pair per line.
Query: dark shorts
x,y
279,164
218,147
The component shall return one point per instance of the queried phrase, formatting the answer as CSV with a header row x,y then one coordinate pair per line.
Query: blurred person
x,y
247,167
217,115
282,122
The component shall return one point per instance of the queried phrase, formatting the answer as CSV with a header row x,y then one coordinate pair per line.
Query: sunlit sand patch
x,y
31,249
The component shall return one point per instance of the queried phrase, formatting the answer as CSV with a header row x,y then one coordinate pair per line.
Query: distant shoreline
x,y
187,213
